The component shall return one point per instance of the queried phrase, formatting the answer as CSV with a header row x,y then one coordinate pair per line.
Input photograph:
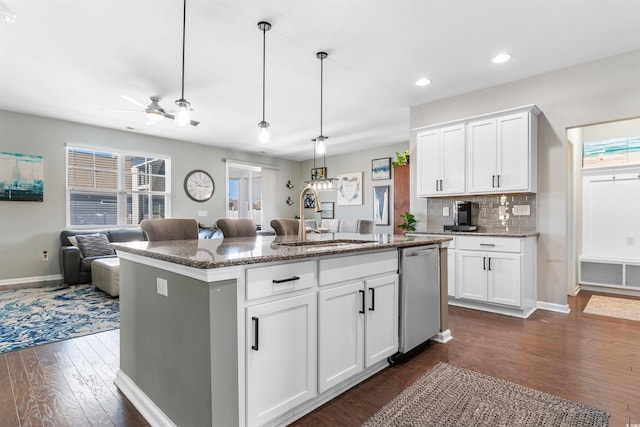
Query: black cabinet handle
x,y
493,181
489,264
362,295
289,279
498,180
437,185
256,322
441,187
373,299
484,262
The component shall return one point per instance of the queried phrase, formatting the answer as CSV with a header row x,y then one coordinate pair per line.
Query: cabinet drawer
x,y
334,270
489,244
280,278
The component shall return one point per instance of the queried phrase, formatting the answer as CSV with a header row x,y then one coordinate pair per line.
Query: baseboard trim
x,y
558,308
141,401
36,280
442,336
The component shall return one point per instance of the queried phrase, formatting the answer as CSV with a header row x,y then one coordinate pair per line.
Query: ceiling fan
x,y
154,111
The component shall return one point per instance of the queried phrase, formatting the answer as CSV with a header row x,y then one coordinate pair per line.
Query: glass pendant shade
x,y
321,146
263,133
182,115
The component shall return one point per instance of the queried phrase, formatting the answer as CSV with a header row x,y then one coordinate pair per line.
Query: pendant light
x,y
320,147
320,144
263,133
182,115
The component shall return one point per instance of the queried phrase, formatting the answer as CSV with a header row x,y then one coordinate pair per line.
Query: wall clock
x,y
199,185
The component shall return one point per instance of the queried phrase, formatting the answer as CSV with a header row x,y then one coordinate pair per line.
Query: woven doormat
x,y
452,396
621,308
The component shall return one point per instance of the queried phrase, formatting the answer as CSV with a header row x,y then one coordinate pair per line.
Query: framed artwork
x,y
318,173
349,189
381,169
381,205
21,177
327,210
309,201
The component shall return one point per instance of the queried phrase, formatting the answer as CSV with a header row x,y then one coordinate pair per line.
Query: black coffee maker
x,y
465,217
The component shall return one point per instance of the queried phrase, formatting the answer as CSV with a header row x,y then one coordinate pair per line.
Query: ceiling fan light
x,y
154,116
182,115
263,132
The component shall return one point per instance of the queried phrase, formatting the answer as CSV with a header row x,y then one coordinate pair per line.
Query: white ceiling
x,y
73,59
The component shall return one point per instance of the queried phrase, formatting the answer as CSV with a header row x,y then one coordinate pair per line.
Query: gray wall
x,y
359,161
598,91
28,228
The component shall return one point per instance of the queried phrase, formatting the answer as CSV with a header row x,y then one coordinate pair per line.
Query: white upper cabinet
x,y
501,154
441,161
492,153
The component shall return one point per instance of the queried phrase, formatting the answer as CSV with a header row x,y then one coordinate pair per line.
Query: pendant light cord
x,y
184,25
321,84
264,59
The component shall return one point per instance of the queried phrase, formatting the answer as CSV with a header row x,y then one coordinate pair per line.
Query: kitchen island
x,y
257,330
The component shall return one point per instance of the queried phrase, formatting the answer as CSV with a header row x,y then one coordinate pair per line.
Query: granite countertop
x,y
218,253
474,233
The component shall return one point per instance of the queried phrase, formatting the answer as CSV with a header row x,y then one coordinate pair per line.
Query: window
x,y
244,192
106,188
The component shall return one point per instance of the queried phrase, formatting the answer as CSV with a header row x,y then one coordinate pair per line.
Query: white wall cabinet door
x,y
340,334
381,318
512,172
281,357
481,156
441,161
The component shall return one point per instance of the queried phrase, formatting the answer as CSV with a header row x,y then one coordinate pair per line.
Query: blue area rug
x,y
36,316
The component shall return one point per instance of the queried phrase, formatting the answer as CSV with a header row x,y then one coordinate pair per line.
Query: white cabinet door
x,y
429,160
481,156
453,160
513,152
503,278
340,334
281,357
381,318
441,161
472,277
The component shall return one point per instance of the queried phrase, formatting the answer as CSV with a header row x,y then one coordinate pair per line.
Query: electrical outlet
x,y
524,210
162,287
45,255
445,211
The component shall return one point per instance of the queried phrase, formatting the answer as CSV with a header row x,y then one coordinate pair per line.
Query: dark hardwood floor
x,y
590,359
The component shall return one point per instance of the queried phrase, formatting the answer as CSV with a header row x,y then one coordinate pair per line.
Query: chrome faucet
x,y
302,229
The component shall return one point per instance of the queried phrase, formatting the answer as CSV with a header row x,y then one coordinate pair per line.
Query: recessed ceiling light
x,y
423,82
500,58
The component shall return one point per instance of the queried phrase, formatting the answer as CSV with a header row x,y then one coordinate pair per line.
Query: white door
x,y
429,160
504,279
481,156
472,275
281,357
453,168
340,334
381,318
513,152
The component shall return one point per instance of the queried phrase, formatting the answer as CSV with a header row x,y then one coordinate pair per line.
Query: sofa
x,y
76,267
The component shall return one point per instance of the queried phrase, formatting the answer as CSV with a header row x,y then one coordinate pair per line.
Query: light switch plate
x,y
523,210
203,213
445,211
161,287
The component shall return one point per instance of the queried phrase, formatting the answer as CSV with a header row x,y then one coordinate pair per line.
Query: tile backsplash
x,y
495,212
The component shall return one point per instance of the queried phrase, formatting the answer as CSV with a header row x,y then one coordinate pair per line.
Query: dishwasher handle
x,y
421,252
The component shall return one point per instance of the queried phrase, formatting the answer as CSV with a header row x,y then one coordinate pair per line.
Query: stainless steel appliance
x,y
465,217
419,296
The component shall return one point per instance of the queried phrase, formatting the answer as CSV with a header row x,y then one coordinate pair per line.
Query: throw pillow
x,y
94,245
74,242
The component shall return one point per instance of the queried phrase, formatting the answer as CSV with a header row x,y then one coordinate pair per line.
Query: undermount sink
x,y
333,242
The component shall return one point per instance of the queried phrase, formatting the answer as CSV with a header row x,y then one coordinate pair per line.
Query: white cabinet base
x,y
493,308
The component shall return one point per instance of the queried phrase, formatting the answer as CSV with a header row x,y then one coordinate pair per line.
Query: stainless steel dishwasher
x,y
419,296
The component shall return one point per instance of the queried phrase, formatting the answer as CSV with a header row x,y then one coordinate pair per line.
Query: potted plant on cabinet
x,y
401,185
